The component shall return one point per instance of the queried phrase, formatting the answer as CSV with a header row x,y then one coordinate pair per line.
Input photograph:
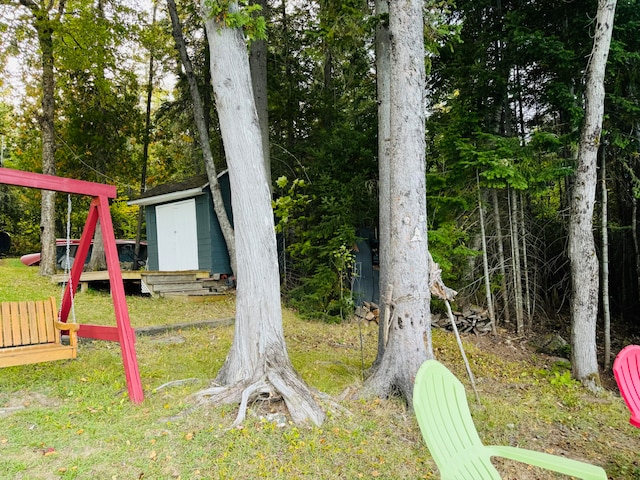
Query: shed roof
x,y
170,192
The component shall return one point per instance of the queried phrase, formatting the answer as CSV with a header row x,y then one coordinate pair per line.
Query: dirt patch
x,y
14,402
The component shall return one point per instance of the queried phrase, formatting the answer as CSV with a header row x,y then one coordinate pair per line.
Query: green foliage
x,y
125,219
319,241
290,203
239,14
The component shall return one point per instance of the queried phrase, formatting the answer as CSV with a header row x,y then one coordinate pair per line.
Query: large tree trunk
x,y
582,252
258,64
43,24
203,131
383,71
409,343
257,363
98,260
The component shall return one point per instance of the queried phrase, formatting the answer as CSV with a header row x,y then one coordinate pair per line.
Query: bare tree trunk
x,y
409,342
290,103
145,152
485,261
383,71
201,124
605,261
525,264
515,268
258,363
98,259
258,64
44,23
501,259
582,252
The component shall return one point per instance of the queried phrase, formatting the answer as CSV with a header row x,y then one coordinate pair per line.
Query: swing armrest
x,y
72,328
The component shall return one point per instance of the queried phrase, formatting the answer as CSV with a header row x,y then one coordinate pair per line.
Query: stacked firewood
x,y
472,319
368,311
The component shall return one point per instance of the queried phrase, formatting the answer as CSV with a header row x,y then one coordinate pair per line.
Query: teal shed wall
x,y
213,255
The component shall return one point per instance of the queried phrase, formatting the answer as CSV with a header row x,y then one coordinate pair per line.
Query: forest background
x,y
504,101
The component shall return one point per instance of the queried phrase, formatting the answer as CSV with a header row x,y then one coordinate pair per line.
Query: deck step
x,y
195,297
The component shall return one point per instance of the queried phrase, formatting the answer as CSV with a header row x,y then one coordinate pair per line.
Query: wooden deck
x,y
171,284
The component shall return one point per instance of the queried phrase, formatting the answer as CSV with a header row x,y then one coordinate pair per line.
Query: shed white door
x,y
177,236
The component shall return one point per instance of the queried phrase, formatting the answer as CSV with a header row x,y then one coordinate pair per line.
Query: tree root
x,y
274,384
175,383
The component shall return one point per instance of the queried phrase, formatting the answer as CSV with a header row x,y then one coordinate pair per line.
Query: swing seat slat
x,y
31,333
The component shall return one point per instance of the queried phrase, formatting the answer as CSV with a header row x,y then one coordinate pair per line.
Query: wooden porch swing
x,y
31,333
30,330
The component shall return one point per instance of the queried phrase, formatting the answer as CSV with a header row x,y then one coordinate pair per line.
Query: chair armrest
x,y
554,463
72,328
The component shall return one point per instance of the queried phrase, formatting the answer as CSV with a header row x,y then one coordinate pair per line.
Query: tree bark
x,y
383,70
485,261
515,268
582,252
605,261
145,151
205,143
501,259
44,23
409,343
525,264
258,65
257,363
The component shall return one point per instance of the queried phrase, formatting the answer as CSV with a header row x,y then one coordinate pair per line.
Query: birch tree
x,y
582,251
258,363
409,339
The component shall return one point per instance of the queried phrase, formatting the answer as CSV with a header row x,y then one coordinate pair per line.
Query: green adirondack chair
x,y
440,403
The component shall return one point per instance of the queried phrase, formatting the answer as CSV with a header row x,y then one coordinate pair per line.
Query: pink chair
x,y
626,369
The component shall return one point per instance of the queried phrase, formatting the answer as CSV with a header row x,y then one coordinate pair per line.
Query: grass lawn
x,y
72,419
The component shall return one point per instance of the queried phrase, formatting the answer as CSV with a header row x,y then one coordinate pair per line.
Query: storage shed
x,y
183,232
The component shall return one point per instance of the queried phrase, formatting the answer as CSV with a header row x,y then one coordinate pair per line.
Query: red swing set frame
x,y
98,210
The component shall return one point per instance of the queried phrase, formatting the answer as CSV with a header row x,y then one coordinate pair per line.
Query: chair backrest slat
x,y
441,407
626,369
28,323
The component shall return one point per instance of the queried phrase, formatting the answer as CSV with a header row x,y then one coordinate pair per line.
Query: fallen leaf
x,y
49,451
